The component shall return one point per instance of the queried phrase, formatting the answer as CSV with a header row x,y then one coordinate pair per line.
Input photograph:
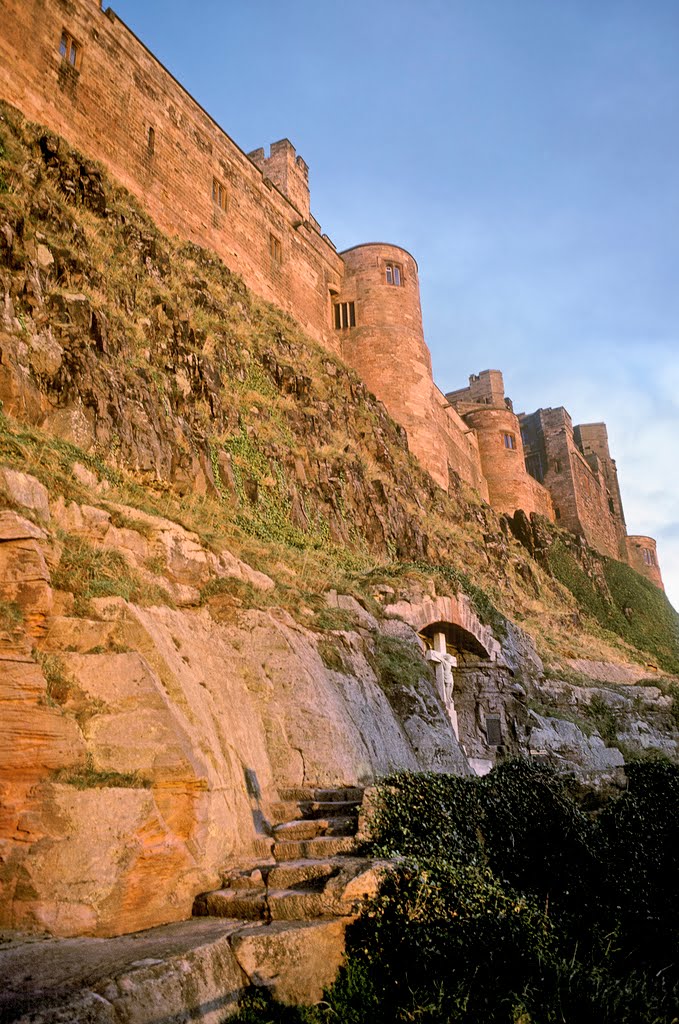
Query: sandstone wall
x,y
592,440
643,556
510,487
109,102
578,492
387,348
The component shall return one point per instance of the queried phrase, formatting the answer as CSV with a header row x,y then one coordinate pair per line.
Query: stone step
x,y
304,828
313,849
297,904
284,810
245,879
349,793
299,829
234,903
328,808
293,874
312,793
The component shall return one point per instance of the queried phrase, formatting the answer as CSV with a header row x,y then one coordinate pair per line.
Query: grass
x,y
89,777
331,655
628,604
11,616
87,572
59,683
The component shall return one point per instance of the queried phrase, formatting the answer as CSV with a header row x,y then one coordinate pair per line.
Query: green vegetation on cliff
x,y
627,604
148,362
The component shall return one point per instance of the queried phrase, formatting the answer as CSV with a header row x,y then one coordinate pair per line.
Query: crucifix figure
x,y
445,663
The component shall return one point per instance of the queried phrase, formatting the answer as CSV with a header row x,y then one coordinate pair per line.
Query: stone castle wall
x,y
578,488
387,348
112,98
482,406
501,448
116,95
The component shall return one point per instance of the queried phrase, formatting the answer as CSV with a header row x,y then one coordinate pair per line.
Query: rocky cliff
x,y
216,554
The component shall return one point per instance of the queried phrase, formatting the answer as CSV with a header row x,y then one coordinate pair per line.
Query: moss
x,y
331,656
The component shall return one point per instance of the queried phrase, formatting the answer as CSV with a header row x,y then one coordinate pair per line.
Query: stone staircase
x,y
313,871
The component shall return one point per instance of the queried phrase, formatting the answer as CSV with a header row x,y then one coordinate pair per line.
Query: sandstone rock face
x,y
144,748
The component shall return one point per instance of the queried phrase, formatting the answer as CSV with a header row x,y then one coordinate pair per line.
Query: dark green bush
x,y
511,905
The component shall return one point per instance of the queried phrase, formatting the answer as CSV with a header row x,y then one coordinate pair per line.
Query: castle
x,y
82,71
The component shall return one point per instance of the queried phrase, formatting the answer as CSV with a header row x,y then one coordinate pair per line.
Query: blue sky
x,y
525,151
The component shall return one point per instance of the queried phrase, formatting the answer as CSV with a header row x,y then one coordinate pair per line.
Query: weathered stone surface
x,y
170,699
15,527
25,490
559,740
231,903
295,961
182,972
608,671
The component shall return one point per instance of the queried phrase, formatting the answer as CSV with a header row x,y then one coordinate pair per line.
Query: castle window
x,y
649,556
151,141
69,49
275,249
557,513
393,272
494,730
219,194
509,441
556,465
611,506
345,315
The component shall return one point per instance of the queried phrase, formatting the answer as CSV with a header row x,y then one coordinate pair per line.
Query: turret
x,y
379,319
643,556
287,171
485,409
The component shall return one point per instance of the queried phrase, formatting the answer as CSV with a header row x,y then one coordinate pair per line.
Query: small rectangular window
x,y
510,441
151,141
345,315
556,465
219,194
393,273
69,49
275,249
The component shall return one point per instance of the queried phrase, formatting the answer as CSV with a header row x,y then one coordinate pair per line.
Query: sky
x,y
525,152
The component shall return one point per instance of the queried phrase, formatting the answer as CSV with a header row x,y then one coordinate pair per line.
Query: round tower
x,y
510,486
379,319
643,556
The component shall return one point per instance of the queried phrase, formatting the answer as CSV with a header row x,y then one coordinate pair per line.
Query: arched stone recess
x,y
472,678
456,611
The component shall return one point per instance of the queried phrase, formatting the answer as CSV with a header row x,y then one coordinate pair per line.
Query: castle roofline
x,y
392,245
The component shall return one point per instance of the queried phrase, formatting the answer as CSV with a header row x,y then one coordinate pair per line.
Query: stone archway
x,y
472,677
457,612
